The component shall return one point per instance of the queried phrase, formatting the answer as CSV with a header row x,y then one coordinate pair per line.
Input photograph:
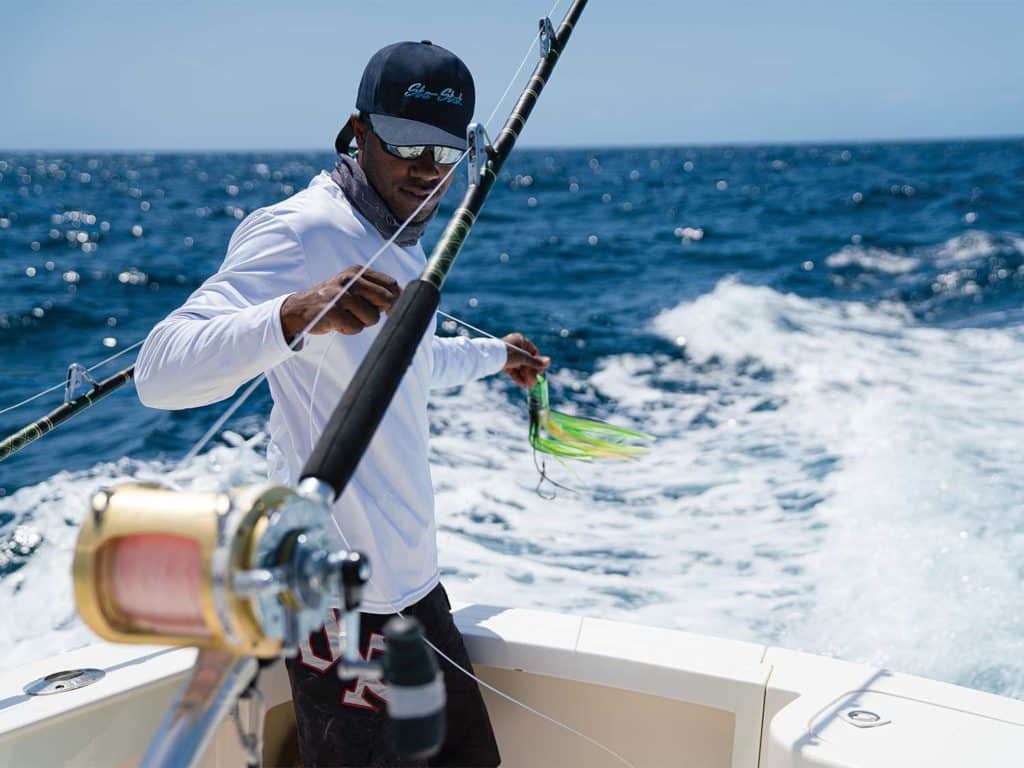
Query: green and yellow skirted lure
x,y
574,437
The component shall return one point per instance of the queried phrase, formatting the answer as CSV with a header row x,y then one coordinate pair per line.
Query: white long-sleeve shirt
x,y
229,331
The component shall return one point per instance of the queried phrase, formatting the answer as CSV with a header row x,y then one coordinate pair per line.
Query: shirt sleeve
x,y
459,360
229,330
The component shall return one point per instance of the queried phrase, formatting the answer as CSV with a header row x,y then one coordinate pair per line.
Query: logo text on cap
x,y
446,96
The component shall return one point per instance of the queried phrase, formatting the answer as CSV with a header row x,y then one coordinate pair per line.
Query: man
x,y
284,264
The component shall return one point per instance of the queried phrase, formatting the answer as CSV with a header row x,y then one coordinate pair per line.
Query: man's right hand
x,y
359,307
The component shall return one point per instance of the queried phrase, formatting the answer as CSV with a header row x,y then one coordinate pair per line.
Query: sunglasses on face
x,y
442,155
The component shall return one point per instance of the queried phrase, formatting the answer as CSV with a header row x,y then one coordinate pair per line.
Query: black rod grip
x,y
368,395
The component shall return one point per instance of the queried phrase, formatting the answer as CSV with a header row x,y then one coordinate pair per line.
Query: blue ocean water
x,y
827,340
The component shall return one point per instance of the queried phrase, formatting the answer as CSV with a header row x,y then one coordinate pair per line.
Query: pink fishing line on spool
x,y
157,583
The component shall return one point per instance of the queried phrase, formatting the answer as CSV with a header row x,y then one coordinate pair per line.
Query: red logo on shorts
x,y
358,692
356,697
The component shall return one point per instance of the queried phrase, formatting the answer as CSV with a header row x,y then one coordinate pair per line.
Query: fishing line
x,y
522,64
542,470
481,331
537,712
55,387
323,356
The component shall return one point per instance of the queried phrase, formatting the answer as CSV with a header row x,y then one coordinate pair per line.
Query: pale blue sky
x,y
261,75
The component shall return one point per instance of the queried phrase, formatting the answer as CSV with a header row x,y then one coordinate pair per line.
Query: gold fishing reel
x,y
249,572
239,575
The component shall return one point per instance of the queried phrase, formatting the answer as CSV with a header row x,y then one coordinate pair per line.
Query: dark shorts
x,y
345,723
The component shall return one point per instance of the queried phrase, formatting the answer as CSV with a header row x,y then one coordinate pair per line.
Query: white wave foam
x,y
917,564
828,476
873,259
974,244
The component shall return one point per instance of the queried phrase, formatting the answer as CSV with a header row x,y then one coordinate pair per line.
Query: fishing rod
x,y
72,406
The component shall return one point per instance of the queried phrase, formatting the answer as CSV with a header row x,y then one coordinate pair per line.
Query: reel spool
x,y
248,572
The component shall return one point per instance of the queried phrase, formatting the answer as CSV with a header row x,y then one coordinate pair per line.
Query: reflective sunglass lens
x,y
442,155
406,153
446,155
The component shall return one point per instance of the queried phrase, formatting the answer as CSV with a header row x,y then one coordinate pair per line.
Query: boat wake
x,y
831,476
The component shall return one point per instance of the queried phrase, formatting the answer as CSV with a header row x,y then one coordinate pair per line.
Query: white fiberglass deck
x,y
657,697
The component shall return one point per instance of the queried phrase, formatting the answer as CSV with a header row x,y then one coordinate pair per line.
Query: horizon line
x,y
983,138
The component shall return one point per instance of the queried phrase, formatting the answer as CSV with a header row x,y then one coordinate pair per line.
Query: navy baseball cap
x,y
414,93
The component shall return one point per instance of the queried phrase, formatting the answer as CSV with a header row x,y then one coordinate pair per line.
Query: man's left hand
x,y
524,360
